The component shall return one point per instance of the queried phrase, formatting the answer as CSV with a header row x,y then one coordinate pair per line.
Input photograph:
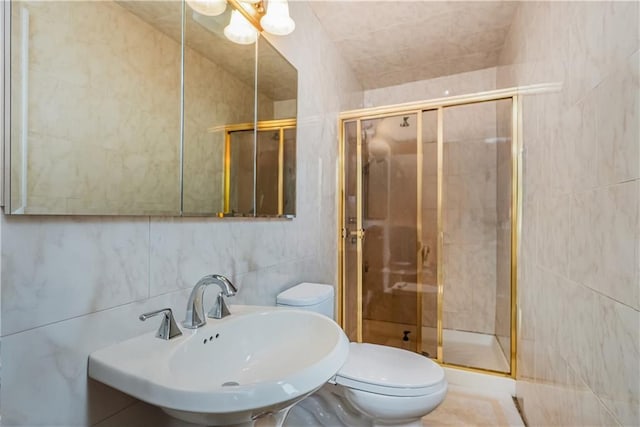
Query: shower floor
x,y
461,348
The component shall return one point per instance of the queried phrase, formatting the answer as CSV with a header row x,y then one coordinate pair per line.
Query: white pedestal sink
x,y
255,362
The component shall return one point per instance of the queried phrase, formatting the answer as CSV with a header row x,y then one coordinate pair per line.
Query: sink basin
x,y
257,361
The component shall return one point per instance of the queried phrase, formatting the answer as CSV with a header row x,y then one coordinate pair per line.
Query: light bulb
x,y
277,20
208,7
240,30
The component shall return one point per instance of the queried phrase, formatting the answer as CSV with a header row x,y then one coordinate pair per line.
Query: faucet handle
x,y
168,328
220,309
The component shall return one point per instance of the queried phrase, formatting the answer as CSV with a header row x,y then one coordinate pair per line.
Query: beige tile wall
x,y
579,290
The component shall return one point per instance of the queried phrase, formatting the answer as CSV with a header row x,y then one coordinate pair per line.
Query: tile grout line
x,y
149,259
554,273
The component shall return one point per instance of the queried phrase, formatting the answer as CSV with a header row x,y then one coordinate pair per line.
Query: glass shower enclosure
x,y
429,226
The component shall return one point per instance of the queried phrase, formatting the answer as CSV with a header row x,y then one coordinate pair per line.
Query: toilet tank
x,y
315,297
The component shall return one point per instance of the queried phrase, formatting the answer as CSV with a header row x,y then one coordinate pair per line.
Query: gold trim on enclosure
x,y
227,172
516,203
341,290
440,254
281,171
262,125
280,125
492,95
359,228
516,221
419,240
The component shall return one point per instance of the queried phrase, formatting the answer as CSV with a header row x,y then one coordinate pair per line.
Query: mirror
x,y
239,172
95,109
103,121
219,90
276,140
272,164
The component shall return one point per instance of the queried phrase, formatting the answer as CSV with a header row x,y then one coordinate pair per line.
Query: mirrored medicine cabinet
x,y
144,108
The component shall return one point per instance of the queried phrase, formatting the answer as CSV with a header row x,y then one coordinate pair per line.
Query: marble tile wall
x,y
71,285
579,285
456,84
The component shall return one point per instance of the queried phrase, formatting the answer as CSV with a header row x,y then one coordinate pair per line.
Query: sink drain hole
x,y
230,383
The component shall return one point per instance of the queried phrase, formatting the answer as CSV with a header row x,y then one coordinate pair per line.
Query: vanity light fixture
x,y
277,20
240,30
208,7
248,17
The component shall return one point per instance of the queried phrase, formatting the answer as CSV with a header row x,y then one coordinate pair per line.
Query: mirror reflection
x,y
239,173
219,89
273,191
276,141
277,82
276,169
98,125
95,108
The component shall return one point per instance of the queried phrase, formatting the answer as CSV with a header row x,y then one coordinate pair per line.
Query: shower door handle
x,y
356,234
424,253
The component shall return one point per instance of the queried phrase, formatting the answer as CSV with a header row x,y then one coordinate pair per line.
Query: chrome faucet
x,y
168,328
195,306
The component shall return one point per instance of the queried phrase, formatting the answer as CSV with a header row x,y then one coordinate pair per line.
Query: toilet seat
x,y
390,371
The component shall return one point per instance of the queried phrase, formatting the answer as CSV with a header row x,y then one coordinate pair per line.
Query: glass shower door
x,y
431,219
351,244
389,190
476,209
428,231
390,231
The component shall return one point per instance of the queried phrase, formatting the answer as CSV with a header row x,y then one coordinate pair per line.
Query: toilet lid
x,y
305,294
389,371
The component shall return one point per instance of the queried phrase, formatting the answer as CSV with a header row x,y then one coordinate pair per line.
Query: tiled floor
x,y
462,407
466,407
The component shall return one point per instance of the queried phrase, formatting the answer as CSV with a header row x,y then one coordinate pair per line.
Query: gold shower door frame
x,y
265,125
438,105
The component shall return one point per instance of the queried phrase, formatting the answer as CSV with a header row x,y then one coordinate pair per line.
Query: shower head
x,y
397,129
378,149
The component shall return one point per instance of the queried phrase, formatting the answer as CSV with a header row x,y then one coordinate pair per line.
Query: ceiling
x,y
393,42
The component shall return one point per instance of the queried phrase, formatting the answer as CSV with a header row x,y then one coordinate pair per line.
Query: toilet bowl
x,y
377,386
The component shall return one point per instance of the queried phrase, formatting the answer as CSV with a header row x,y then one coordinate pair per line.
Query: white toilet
x,y
377,386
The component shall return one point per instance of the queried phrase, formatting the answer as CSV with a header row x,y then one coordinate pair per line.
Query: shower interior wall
x,y
504,174
469,218
390,216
